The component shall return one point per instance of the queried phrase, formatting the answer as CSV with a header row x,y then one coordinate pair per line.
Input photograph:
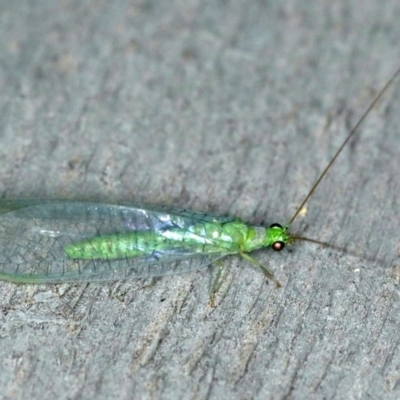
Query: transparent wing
x,y
34,234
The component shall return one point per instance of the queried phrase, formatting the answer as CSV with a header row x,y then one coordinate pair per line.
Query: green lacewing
x,y
56,241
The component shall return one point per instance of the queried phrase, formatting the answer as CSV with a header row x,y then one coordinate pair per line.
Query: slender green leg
x,y
153,281
216,283
264,270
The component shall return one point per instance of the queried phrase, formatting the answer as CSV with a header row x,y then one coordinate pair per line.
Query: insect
x,y
55,241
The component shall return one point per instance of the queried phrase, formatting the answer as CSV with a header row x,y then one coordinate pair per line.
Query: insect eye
x,y
278,246
276,226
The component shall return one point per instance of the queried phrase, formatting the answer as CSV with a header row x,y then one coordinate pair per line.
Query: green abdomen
x,y
199,238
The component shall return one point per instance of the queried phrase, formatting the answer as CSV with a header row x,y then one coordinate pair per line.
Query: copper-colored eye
x,y
278,246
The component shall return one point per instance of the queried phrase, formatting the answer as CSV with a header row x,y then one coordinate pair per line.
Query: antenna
x,y
343,145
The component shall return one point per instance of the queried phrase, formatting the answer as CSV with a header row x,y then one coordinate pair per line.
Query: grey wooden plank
x,y
227,107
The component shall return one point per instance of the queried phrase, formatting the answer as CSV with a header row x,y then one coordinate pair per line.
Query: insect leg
x,y
216,283
264,270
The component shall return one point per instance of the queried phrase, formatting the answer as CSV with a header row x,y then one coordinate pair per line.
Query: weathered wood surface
x,y
229,107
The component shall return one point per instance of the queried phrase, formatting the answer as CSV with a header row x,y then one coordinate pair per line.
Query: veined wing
x,y
34,234
62,271
143,216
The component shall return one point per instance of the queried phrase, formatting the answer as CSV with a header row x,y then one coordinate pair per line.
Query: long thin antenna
x,y
352,132
338,248
323,244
